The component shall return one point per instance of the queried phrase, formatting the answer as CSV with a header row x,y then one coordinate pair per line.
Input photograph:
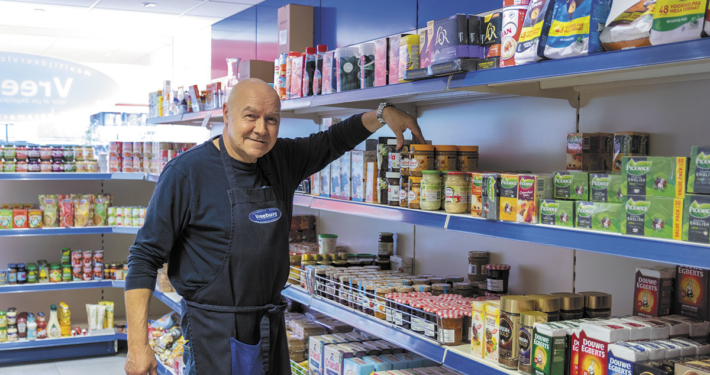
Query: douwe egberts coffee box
x,y
653,292
691,288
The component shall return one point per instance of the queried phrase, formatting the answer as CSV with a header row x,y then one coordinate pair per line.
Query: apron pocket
x,y
246,359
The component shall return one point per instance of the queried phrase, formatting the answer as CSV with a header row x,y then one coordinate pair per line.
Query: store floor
x,y
110,365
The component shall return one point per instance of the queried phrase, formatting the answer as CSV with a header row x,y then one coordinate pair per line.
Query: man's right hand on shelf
x,y
141,361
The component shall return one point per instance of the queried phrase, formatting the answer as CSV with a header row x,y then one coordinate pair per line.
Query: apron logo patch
x,y
265,216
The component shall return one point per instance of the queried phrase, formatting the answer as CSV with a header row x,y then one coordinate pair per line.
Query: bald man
x,y
220,217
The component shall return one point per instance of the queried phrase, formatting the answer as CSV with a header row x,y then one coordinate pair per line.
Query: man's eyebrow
x,y
248,108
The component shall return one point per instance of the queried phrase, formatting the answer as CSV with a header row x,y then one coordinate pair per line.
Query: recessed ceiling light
x,y
39,10
149,5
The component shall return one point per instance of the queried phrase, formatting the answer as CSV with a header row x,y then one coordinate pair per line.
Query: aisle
x,y
110,365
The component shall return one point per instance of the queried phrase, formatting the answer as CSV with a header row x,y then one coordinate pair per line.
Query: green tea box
x,y
605,188
548,349
557,212
653,217
653,176
571,185
604,217
696,218
699,170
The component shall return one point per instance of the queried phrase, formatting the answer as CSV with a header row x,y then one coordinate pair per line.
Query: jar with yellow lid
x,y
445,158
430,196
467,158
421,159
597,304
548,304
415,191
571,306
509,331
456,193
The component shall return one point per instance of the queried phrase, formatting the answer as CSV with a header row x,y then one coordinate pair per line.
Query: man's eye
x,y
250,116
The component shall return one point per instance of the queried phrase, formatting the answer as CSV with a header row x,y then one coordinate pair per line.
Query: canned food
x,y
79,153
112,210
88,257
92,166
107,274
76,274
89,152
127,221
138,147
88,274
141,212
136,222
76,258
112,221
98,257
99,272
135,212
66,272
115,147
66,255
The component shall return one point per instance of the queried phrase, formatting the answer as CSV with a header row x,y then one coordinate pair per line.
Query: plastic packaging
x,y
318,75
100,316
64,319
281,83
677,21
108,322
629,25
53,329
348,69
309,70
296,83
367,65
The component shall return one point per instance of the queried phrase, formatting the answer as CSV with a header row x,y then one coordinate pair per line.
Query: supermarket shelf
x,y
70,176
66,231
192,118
122,336
48,349
152,177
44,287
659,250
172,300
125,230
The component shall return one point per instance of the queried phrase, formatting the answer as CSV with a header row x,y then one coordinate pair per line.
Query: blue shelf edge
x,y
171,303
21,232
44,287
73,176
125,230
64,341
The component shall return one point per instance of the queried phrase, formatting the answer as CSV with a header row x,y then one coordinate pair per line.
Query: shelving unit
x,y
66,231
65,347
9,176
47,287
171,299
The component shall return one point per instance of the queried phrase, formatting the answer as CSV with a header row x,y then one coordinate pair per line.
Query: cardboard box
x,y
491,35
691,288
605,217
401,264
329,73
19,218
527,206
475,50
379,363
629,144
654,176
296,89
295,27
696,218
476,194
426,40
573,185
335,191
589,151
371,187
358,173
653,292
491,63
452,41
605,188
653,217
345,176
325,182
316,349
263,70
699,170
548,349
357,366
381,61
334,359
408,55
393,63
490,196
557,212
508,197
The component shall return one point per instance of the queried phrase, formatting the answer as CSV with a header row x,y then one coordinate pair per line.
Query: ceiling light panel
x,y
71,3
215,9
161,6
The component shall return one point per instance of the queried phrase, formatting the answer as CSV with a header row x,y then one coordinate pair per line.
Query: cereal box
x,y
557,212
508,197
476,193
572,185
652,293
605,188
34,218
696,218
66,210
19,218
653,217
490,196
691,288
654,176
49,204
5,219
527,211
605,217
699,170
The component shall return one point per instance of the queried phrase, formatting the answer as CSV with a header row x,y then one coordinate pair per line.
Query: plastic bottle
x,y
41,326
22,325
318,76
309,69
64,319
31,327
53,329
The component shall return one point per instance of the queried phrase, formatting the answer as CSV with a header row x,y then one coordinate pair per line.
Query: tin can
x,y
127,221
138,147
113,268
76,258
136,222
66,272
137,163
135,212
147,148
76,274
141,212
112,211
99,272
127,150
115,147
112,221
88,273
88,257
98,257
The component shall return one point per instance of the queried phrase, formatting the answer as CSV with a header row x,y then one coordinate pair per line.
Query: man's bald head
x,y
252,88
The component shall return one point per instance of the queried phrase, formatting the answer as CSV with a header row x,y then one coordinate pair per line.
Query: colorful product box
x,y
528,199
654,176
605,188
334,357
533,37
345,175
393,63
696,218
549,349
572,185
316,347
325,182
653,292
491,35
589,151
629,144
605,217
371,180
408,55
514,12
452,38
699,170
476,193
557,212
381,61
34,218
6,219
477,331
397,362
490,196
491,327
335,191
653,217
328,73
691,288
509,197
19,218
379,363
623,356
425,44
595,339
357,366
475,50
576,27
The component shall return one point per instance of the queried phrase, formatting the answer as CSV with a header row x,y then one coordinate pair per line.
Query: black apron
x,y
235,321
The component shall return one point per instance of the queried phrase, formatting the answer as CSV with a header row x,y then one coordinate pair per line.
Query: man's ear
x,y
225,115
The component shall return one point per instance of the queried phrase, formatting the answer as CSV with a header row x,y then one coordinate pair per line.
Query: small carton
x,y
477,334
691,292
19,218
426,43
393,63
345,175
397,363
700,348
655,352
408,55
549,349
573,345
544,184
334,357
325,182
699,170
637,331
698,328
557,212
595,339
654,176
329,73
623,356
605,217
6,219
452,42
381,60
475,51
491,28
605,188
509,197
371,189
335,191
316,347
528,201
295,28
696,218
379,363
653,217
358,174
629,144
34,218
357,366
658,329
588,152
476,193
490,196
572,185
653,292
491,327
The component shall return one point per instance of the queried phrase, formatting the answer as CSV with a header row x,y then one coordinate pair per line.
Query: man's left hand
x,y
399,121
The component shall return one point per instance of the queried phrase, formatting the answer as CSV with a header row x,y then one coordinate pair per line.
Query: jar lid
x,y
386,234
11,265
445,148
327,236
468,148
437,280
463,286
431,172
20,265
516,304
596,300
393,175
499,267
2,313
55,266
421,281
370,286
31,266
454,279
478,254
546,302
468,312
450,314
570,301
423,288
319,271
415,180
454,173
529,318
421,148
384,289
441,286
403,289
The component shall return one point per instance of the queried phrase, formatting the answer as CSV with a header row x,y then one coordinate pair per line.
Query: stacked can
x,y
77,263
126,216
147,156
137,156
87,265
98,265
115,156
127,154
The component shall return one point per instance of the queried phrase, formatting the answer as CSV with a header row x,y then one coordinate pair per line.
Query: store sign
x,y
34,87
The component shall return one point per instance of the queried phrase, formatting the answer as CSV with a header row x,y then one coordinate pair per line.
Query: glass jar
x,y
456,193
497,280
32,274
34,166
69,166
381,304
467,158
422,288
45,166
9,166
12,333
477,261
21,273
525,338
597,304
430,323
33,153
404,158
383,188
444,179
12,273
463,289
79,153
393,188
467,323
509,331
45,153
548,304
438,289
9,152
450,327
421,159
20,166
57,153
3,277
58,165
445,158
3,334
572,306
92,166
11,316
414,193
68,153
89,153
3,319
55,273
43,267
404,191
394,156
66,272
430,191
21,153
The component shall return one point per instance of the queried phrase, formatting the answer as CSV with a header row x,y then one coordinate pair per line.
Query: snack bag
x,y
629,25
34,218
533,37
677,21
101,204
66,210
49,205
82,209
576,26
6,219
19,218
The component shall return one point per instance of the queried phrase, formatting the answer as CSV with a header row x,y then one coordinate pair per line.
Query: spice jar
x,y
3,277
572,306
421,159
467,158
497,280
456,193
548,304
414,194
12,273
32,273
403,191
430,199
525,338
381,301
438,289
463,289
55,273
450,324
445,158
393,188
21,273
509,331
597,304
477,261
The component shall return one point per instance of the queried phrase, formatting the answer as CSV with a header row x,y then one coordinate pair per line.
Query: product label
x,y
393,193
416,324
456,194
697,223
398,318
600,186
525,344
585,212
431,192
490,347
494,285
699,174
447,336
477,333
592,356
472,269
412,196
394,160
691,293
566,29
390,316
673,14
636,170
429,329
508,330
402,195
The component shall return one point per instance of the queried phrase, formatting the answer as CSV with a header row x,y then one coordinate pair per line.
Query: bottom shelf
x,y
49,349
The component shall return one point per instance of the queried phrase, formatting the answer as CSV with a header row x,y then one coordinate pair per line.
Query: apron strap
x,y
228,169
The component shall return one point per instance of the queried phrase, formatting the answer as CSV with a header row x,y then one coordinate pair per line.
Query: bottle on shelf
x,y
31,327
41,326
22,325
53,328
64,319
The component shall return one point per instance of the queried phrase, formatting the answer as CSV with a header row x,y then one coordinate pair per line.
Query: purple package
x,y
450,39
394,59
381,55
475,50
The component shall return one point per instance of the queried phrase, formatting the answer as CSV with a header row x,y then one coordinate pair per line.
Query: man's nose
x,y
260,128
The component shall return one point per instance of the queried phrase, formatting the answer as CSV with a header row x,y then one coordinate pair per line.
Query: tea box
x,y
589,151
509,197
476,193
557,212
653,217
629,144
491,327
696,218
527,199
605,188
490,196
654,176
605,217
699,170
571,185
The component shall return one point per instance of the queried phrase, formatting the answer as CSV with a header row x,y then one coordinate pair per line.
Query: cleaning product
x,y
53,328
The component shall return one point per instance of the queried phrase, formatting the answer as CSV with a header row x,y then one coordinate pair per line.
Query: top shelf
x,y
72,176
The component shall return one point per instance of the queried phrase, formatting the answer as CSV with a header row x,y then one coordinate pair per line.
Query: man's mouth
x,y
254,140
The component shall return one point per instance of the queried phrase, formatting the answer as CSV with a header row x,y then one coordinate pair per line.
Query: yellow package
x,y
408,54
108,319
508,197
50,207
491,326
82,209
477,332
34,218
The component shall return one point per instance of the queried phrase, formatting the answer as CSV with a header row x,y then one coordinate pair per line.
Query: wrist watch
x,y
381,109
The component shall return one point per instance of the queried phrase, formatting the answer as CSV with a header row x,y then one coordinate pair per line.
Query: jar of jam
x,y
82,166
445,158
45,166
21,273
344,292
34,153
393,188
440,288
92,166
9,166
497,281
369,298
450,324
57,153
68,153
463,289
9,152
381,302
22,166
69,166
89,153
402,313
467,322
421,159
415,191
58,165
430,324
32,273
21,153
